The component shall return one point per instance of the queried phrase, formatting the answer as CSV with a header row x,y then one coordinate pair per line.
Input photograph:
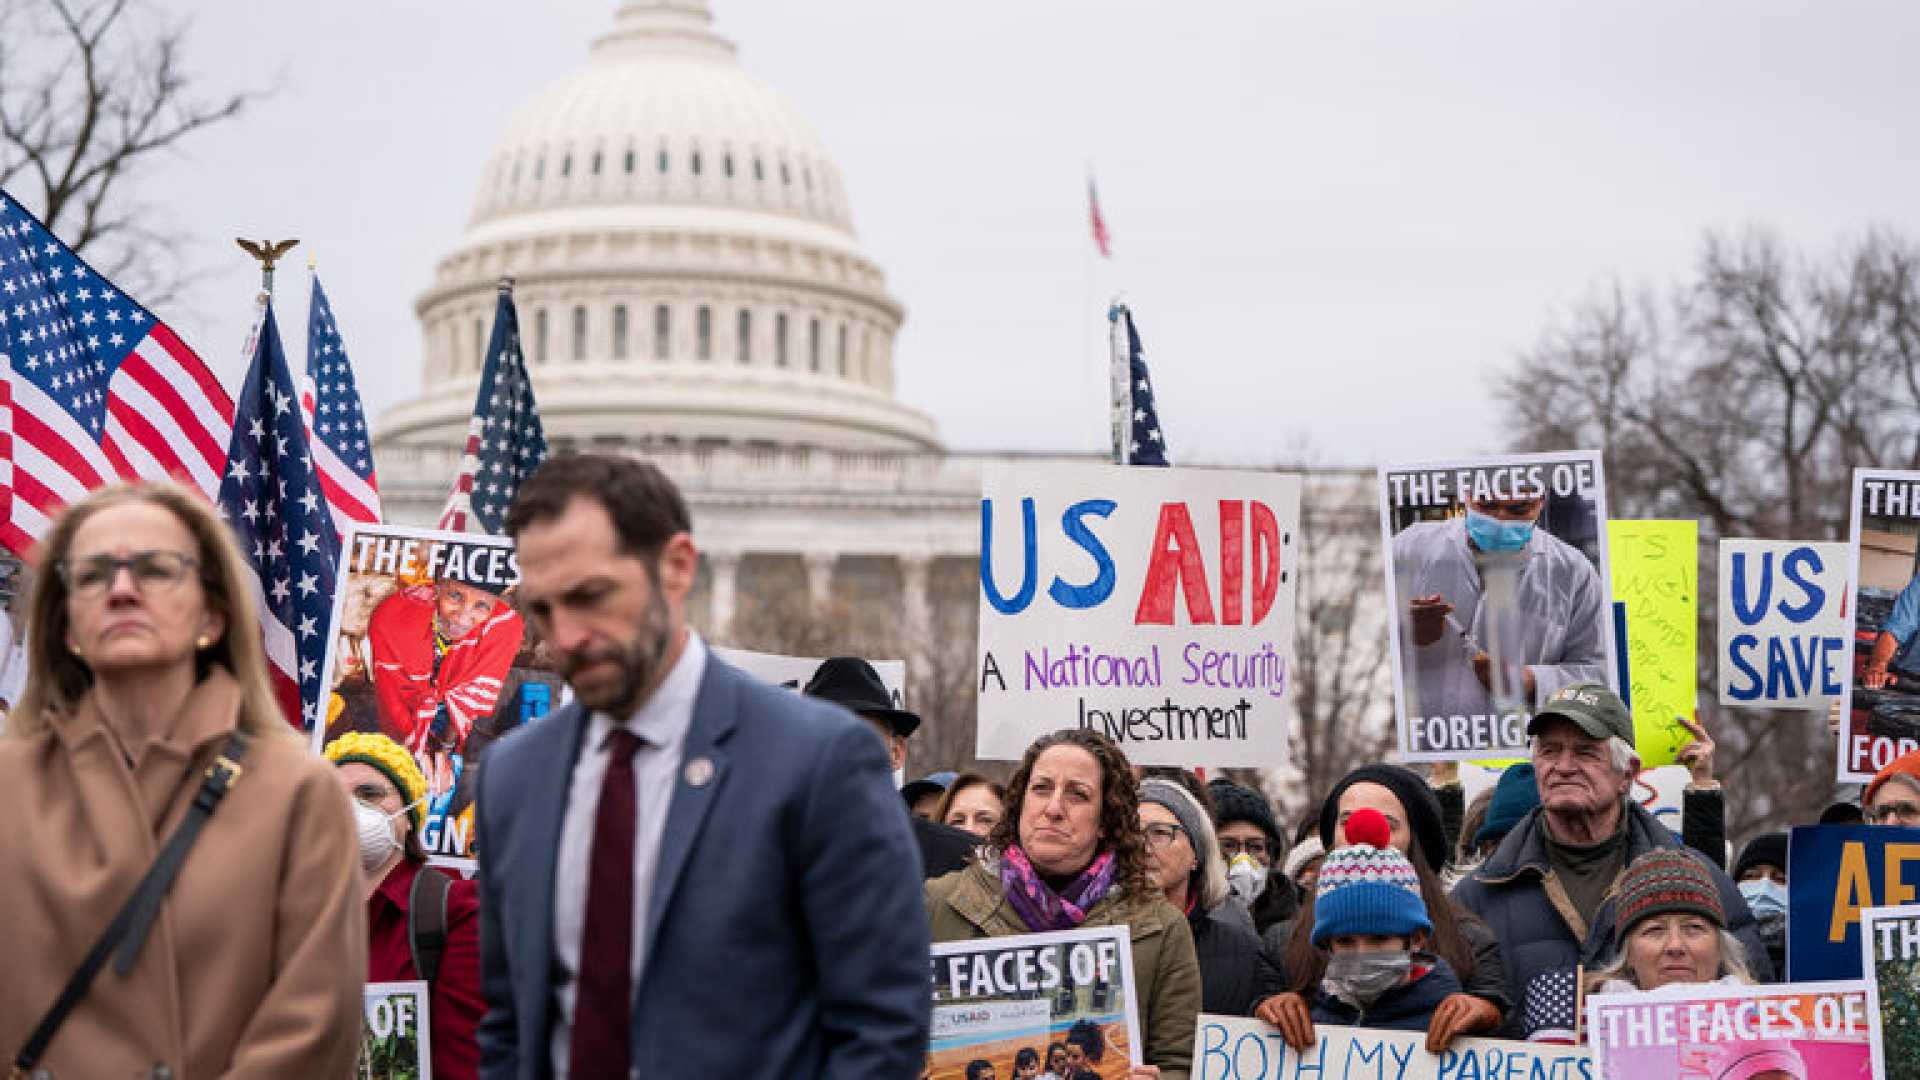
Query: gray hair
x,y
1625,759
1733,962
1210,875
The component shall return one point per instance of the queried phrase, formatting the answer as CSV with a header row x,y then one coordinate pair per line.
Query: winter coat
x,y
969,904
1519,895
454,1003
1278,902
255,964
1408,1007
1488,981
1235,971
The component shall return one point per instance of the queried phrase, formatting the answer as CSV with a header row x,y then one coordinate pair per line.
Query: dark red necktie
x,y
603,992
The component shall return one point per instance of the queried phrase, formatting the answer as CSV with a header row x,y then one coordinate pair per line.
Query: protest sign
x,y
1835,872
426,648
1236,1048
1880,701
1496,575
1890,960
395,1040
1655,568
998,998
1784,630
1154,606
1707,1031
794,672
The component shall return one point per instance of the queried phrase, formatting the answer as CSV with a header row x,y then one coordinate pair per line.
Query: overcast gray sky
x,y
1332,219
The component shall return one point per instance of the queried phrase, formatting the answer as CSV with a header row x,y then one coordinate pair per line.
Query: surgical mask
x,y
1360,978
1246,879
1491,534
1765,896
377,844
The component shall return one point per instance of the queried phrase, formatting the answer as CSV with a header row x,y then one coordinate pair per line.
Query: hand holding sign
x,y
1289,1014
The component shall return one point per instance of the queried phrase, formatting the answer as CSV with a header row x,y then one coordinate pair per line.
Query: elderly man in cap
x,y
1547,890
854,685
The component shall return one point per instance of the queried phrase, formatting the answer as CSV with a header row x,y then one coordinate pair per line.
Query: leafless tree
x,y
90,92
1744,397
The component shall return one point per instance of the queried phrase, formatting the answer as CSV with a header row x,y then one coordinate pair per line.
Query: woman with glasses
x,y
1183,860
1069,852
1893,798
147,676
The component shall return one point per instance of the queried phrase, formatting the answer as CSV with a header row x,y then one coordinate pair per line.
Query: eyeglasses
x,y
156,571
374,794
1254,848
1160,834
1904,813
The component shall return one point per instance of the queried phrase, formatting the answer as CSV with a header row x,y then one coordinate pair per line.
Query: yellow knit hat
x,y
376,751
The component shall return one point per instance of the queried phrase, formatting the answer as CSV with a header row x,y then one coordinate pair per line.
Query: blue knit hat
x,y
1365,889
1514,797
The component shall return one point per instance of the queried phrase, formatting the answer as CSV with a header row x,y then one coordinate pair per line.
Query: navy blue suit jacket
x,y
785,935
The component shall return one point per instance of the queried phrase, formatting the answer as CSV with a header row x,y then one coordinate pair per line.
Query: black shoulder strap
x,y
128,930
427,920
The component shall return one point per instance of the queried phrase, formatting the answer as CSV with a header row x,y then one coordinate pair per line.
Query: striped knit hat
x,y
378,752
1667,880
1367,887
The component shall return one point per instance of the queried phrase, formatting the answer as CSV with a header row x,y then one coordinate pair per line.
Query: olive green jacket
x,y
968,904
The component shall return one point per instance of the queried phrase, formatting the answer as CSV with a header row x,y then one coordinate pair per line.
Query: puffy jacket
x,y
1487,981
969,904
1519,895
1235,970
1403,1008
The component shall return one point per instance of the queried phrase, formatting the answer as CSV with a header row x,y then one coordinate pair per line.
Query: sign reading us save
x,y
1154,606
1784,631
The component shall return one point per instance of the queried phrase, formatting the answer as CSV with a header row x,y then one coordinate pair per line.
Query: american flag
x,y
271,497
505,442
1137,439
1552,1007
336,424
1101,238
97,389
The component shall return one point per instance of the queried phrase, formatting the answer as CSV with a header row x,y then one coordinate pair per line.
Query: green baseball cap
x,y
1590,706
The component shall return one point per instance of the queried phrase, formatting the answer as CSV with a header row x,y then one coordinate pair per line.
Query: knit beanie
x,y
1765,848
1232,803
1184,809
1421,805
1907,765
1367,887
1515,795
1303,853
1667,880
384,756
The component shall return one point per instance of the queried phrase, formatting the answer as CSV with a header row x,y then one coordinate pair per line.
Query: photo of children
x,y
1036,1006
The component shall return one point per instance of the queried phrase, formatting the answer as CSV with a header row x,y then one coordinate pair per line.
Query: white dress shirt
x,y
661,723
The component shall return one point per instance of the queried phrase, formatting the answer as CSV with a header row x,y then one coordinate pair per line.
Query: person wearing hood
x,y
1183,859
1761,874
1250,842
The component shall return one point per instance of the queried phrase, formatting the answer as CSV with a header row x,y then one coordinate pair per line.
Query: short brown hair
x,y
646,508
1119,805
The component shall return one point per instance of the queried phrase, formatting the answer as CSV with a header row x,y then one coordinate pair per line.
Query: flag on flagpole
x,y
336,423
505,441
1137,438
97,389
1101,238
271,497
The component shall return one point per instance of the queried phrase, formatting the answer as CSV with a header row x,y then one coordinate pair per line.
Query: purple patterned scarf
x,y
1038,905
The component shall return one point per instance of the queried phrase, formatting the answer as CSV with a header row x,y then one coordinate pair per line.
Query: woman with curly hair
x,y
1069,852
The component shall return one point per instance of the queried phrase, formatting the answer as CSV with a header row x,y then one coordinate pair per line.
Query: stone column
x,y
915,605
725,566
819,577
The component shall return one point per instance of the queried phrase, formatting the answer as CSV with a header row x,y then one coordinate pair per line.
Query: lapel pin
x,y
699,771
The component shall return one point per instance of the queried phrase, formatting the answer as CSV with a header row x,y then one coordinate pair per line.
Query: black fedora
x,y
852,684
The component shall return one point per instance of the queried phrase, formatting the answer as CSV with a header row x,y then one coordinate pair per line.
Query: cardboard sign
x,y
1880,704
396,1040
1236,1048
1890,960
1834,873
1655,574
1152,605
1004,1000
1704,1032
1785,637
1496,574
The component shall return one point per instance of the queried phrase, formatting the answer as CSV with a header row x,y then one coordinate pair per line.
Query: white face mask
x,y
1246,879
377,844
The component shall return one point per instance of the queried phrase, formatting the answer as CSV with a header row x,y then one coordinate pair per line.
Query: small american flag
x,y
271,497
97,389
1101,238
1137,438
1552,1007
505,442
336,424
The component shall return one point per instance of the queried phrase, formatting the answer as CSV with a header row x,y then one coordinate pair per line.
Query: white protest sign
x,y
1000,999
1784,623
1152,605
1890,961
395,1040
794,672
1803,1029
1236,1048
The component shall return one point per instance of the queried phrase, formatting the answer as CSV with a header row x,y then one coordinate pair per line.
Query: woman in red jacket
x,y
417,917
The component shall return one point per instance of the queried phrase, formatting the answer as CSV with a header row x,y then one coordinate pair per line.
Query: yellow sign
x,y
1656,567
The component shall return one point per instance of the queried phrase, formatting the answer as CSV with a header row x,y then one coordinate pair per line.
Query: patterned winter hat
x,y
1367,889
1665,880
386,757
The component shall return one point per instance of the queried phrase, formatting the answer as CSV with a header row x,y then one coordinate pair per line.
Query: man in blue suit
x,y
685,872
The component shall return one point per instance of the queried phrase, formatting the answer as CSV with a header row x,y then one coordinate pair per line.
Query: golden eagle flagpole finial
x,y
268,252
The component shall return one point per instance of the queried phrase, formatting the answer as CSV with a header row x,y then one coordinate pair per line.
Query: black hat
x,y
1843,813
1422,806
1232,803
1765,848
852,684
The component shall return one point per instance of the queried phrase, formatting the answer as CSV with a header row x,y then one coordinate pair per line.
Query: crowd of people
x,y
686,872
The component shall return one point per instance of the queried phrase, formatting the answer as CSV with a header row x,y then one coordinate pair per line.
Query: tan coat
x,y
255,965
969,904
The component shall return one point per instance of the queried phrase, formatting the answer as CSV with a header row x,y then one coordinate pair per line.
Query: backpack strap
x,y
427,920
